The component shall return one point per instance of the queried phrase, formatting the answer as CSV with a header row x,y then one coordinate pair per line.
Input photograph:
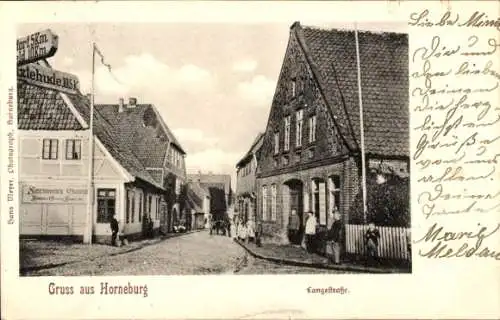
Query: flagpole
x,y
90,216
361,125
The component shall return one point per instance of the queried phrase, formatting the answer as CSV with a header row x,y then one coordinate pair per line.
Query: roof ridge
x,y
349,30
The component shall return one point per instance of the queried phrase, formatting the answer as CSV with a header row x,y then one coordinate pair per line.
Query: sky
x,y
212,83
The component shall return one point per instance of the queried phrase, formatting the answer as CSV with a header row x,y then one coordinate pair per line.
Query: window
x,y
105,205
294,88
158,208
150,200
273,202
264,203
276,142
141,204
286,147
312,129
50,147
129,206
73,149
298,132
334,188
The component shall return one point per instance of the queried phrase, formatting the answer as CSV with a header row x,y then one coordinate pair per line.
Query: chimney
x,y
132,102
121,105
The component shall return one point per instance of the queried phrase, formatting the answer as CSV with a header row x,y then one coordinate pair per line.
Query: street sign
x,y
36,46
48,78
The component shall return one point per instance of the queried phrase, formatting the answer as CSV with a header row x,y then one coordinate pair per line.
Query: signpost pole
x,y
361,125
90,215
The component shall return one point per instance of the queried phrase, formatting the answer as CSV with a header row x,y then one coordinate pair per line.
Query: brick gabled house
x,y
142,127
310,156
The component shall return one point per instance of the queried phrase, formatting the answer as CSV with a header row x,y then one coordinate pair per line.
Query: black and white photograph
x,y
213,148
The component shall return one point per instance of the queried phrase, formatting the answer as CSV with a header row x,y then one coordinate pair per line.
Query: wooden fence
x,y
392,243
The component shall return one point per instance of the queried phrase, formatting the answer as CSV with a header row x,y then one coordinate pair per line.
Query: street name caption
x,y
454,90
104,289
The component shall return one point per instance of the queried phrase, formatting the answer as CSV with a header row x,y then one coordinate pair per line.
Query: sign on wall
x,y
36,46
49,78
54,194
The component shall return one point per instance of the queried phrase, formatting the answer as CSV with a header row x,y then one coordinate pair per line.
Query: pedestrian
x,y
310,232
243,232
258,235
333,237
294,228
250,231
372,236
114,230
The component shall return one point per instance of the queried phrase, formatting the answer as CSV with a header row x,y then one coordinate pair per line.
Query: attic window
x,y
294,87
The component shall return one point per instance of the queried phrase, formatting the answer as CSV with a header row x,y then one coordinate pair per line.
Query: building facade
x,y
310,156
54,169
142,127
246,192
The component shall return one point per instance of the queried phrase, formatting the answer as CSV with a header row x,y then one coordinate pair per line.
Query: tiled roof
x,y
145,142
212,180
119,150
129,123
43,109
384,82
256,144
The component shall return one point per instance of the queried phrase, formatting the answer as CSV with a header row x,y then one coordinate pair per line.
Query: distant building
x,y
142,128
53,133
310,155
219,187
199,205
246,168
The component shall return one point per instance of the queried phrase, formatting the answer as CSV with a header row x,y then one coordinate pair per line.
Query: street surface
x,y
192,254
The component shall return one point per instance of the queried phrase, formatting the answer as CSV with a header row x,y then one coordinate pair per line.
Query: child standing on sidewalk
x,y
372,236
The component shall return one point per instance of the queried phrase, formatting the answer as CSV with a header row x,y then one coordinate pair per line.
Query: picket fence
x,y
392,243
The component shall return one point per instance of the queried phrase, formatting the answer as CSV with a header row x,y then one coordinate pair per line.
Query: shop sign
x,y
36,46
54,194
48,78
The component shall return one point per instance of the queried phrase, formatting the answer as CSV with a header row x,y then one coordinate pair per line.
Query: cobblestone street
x,y
192,254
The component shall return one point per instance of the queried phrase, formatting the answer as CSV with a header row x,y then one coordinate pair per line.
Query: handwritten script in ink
x,y
455,85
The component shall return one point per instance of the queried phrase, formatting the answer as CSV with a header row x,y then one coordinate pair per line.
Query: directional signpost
x,y
36,46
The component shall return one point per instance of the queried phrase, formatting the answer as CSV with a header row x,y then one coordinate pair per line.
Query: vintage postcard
x,y
295,160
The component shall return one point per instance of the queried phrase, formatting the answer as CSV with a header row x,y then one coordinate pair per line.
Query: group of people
x,y
309,236
247,232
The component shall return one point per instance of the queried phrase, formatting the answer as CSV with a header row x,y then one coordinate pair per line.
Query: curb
x,y
23,271
318,265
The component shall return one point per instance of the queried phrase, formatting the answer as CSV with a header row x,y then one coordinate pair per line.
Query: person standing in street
x,y
333,237
310,232
294,228
372,237
114,230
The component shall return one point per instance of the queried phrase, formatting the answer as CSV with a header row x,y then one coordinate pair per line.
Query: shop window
x,y
73,149
106,200
50,149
